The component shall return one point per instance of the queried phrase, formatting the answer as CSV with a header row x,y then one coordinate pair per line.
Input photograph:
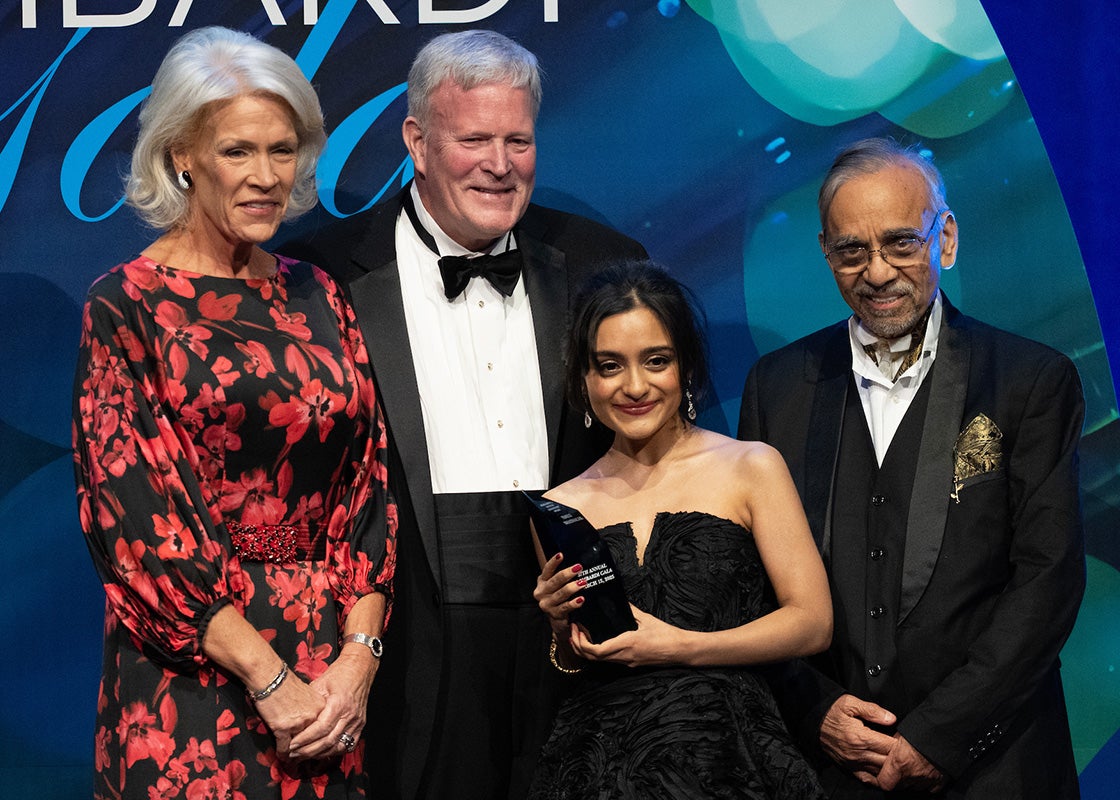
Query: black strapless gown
x,y
678,732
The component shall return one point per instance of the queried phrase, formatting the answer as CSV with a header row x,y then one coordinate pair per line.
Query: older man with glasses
x,y
936,457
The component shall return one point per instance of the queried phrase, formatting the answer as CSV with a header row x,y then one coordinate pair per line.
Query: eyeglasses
x,y
906,251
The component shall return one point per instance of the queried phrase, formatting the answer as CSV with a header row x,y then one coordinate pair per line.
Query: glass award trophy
x,y
561,529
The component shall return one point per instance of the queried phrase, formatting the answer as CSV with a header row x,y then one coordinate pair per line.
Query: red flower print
x,y
319,783
295,360
235,415
186,335
293,324
208,466
250,402
352,762
132,572
222,785
258,361
191,418
306,611
103,412
209,401
214,439
165,788
219,309
308,511
168,712
254,495
200,756
226,729
174,391
130,344
178,773
142,739
301,358
267,286
107,373
286,586
101,748
178,540
224,371
311,661
268,400
315,404
284,479
119,456
279,774
327,359
150,277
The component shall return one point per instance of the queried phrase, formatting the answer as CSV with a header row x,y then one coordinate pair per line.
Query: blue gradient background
x,y
648,123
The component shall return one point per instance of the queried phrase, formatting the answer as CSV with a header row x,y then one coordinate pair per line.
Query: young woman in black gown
x,y
710,539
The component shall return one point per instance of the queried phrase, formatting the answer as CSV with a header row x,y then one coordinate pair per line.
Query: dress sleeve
x,y
362,531
142,508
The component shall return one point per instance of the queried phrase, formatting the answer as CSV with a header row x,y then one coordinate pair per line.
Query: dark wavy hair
x,y
623,287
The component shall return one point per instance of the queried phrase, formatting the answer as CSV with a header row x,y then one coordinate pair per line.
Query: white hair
x,y
211,66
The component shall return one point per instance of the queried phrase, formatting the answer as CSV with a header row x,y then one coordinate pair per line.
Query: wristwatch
x,y
372,642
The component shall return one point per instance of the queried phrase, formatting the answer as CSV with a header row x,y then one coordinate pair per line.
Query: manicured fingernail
x,y
558,556
581,582
577,568
579,601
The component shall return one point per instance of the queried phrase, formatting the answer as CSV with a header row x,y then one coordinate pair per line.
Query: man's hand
x,y
848,741
906,768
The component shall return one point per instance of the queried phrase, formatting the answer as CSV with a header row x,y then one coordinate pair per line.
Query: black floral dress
x,y
678,732
229,451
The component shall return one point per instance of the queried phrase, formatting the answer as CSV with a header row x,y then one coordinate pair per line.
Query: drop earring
x,y
587,419
691,410
185,181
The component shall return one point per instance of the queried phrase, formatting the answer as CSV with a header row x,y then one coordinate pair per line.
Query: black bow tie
x,y
501,270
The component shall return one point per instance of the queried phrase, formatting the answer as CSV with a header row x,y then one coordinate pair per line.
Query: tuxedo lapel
x,y
830,370
386,335
933,479
546,283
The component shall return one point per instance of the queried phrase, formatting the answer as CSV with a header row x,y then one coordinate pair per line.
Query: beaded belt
x,y
277,544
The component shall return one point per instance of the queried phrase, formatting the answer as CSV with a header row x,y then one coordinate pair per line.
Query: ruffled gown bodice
x,y
678,732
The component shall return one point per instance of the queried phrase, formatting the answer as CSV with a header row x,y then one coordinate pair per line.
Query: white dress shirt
x,y
885,402
476,367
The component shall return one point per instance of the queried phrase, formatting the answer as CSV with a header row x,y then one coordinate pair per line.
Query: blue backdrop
x,y
701,128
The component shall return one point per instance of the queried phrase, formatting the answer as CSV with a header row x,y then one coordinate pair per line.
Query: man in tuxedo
x,y
462,289
936,457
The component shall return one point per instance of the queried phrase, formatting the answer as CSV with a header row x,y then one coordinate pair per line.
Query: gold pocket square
x,y
978,451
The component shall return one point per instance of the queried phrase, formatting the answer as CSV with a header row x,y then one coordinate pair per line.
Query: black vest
x,y
869,513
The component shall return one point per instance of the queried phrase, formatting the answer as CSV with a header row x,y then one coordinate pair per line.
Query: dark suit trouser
x,y
498,697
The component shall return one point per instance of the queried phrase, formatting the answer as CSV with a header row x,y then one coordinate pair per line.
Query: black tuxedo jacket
x,y
560,252
993,571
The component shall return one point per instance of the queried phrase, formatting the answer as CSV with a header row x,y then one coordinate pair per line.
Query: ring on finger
x,y
347,741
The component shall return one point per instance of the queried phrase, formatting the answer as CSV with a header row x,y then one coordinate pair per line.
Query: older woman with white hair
x,y
230,456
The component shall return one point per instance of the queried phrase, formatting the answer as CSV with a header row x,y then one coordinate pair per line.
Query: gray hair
x,y
469,59
869,156
206,66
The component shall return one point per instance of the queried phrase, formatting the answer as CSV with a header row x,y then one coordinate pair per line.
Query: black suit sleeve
x,y
1017,650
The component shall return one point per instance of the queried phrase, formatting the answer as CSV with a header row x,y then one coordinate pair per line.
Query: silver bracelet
x,y
273,685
